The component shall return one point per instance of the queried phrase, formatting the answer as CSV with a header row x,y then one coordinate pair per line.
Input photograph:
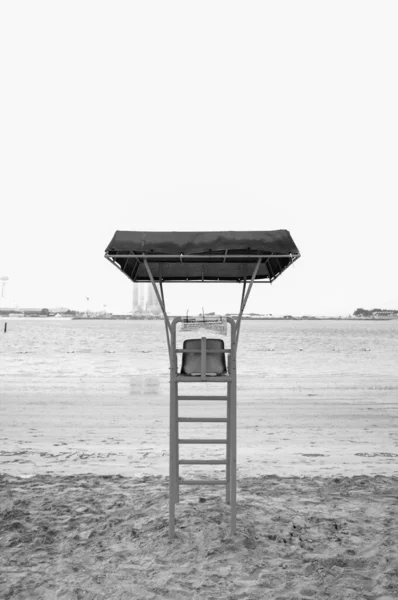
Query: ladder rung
x,y
199,350
202,397
197,441
202,482
202,419
208,378
188,461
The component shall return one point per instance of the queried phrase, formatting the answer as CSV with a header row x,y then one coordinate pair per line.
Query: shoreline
x,y
131,318
290,432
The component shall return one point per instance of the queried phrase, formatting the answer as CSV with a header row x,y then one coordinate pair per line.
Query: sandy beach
x,y
84,470
93,537
87,515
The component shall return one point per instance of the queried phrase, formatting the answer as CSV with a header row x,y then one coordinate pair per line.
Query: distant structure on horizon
x,y
3,296
3,280
145,301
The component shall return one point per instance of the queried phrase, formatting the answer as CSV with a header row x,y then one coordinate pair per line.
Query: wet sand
x,y
71,427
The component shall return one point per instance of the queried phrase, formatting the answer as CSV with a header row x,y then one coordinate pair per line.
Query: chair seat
x,y
215,362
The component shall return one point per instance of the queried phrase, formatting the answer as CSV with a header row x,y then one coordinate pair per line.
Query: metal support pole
x,y
161,291
244,300
162,306
243,294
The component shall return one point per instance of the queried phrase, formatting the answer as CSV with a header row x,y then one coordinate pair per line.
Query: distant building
x,y
136,298
5,302
145,301
152,304
34,312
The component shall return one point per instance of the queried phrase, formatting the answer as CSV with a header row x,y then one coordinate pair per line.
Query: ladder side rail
x,y
232,424
177,447
177,429
228,456
173,457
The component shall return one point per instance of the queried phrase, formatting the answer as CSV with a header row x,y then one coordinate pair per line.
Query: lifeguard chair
x,y
202,257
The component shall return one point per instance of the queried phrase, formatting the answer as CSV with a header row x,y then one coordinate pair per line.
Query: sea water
x,y
37,353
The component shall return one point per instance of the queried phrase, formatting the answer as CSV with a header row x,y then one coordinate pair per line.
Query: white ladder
x,y
229,441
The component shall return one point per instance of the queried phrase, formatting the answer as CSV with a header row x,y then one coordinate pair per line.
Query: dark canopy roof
x,y
202,256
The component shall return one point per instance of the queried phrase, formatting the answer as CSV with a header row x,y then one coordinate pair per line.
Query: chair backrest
x,y
215,362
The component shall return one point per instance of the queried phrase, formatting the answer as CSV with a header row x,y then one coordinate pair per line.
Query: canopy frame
x,y
159,259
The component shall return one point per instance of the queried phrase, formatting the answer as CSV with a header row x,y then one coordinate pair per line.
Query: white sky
x,y
193,116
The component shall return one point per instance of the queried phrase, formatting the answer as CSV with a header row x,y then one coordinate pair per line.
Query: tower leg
x,y
228,457
233,456
173,465
177,448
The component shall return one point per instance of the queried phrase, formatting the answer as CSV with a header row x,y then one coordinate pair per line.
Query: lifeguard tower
x,y
246,258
